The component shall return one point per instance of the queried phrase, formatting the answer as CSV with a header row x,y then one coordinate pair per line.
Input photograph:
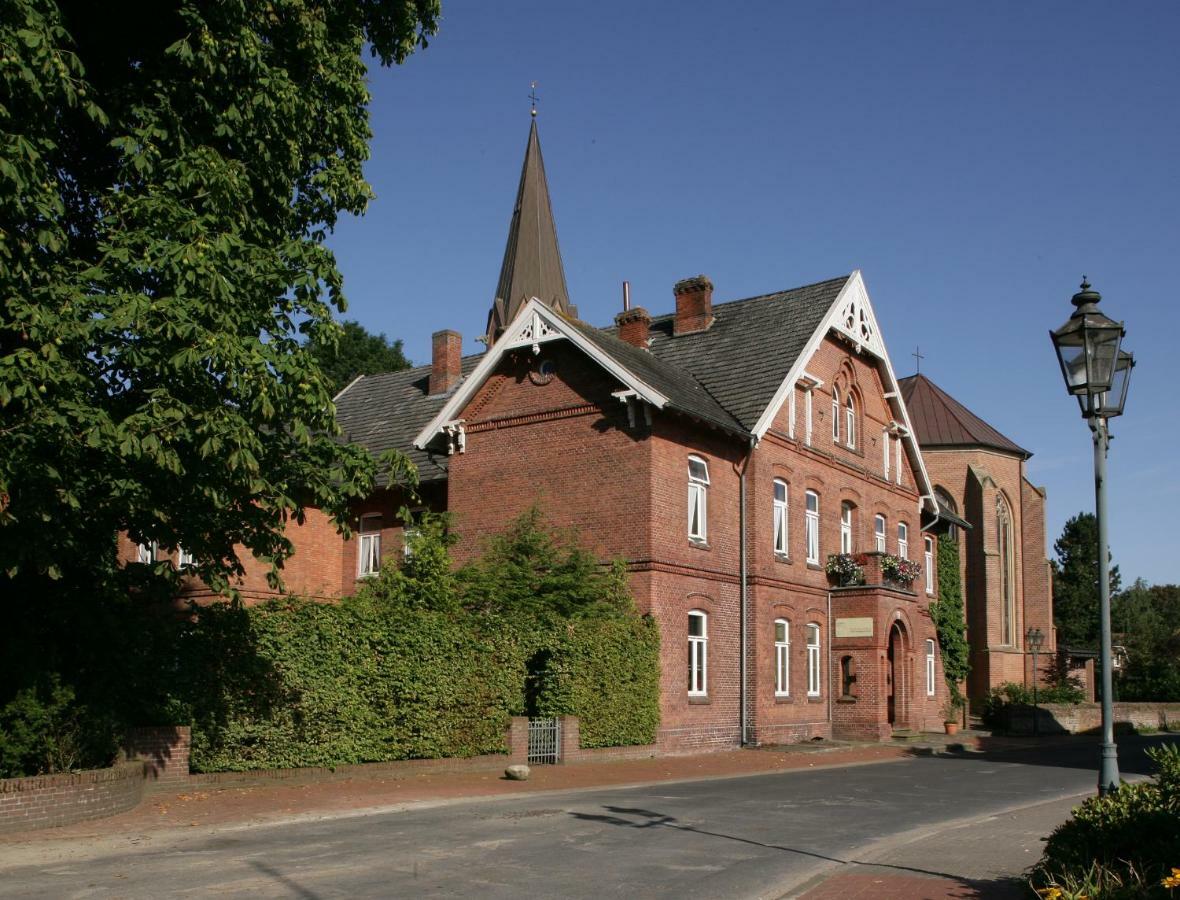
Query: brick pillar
x,y
634,326
517,740
445,361
164,749
571,739
694,305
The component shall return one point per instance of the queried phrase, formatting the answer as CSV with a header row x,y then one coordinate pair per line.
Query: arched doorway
x,y
895,677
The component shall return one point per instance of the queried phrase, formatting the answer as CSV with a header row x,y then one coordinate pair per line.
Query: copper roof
x,y
942,421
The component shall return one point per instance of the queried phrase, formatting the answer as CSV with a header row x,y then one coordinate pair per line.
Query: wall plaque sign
x,y
849,628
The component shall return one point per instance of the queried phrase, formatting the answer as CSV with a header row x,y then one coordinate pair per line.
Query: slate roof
x,y
384,412
942,421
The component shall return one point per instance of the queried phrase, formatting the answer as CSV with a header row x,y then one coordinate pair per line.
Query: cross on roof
x,y
533,98
918,357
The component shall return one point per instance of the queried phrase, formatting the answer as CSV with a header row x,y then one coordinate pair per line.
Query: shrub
x,y
1009,694
1120,844
44,729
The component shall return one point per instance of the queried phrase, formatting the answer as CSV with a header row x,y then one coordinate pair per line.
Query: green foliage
x,y
1001,698
1126,839
355,352
949,619
43,729
606,672
1075,582
1146,620
166,189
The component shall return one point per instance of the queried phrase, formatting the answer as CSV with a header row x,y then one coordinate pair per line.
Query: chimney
x,y
445,366
634,325
694,305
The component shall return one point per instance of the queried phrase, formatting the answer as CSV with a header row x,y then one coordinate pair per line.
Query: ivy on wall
x,y
949,618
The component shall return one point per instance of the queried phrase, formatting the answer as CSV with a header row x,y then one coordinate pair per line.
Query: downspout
x,y
743,594
831,680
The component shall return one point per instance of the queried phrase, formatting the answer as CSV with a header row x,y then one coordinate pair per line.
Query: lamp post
x,y
1098,373
1034,638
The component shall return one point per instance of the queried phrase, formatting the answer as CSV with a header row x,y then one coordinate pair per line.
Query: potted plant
x,y
952,711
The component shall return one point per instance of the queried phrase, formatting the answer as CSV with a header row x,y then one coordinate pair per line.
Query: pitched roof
x,y
385,412
942,421
532,259
743,357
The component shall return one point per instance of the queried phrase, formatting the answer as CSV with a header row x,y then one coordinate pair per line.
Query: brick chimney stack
x,y
445,365
634,325
694,305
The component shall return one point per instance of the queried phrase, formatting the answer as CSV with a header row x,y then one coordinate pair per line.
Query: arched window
x,y
811,527
929,668
782,658
903,540
850,421
780,517
369,551
845,527
1007,571
947,502
835,415
847,676
698,653
879,533
698,488
928,562
813,681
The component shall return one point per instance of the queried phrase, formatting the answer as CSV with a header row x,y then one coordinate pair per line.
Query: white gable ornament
x,y
855,321
533,331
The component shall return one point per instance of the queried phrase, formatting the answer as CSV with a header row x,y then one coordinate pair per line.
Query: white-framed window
x,y
698,506
897,467
184,558
903,540
886,441
368,561
146,553
928,561
780,517
791,413
807,416
835,415
879,533
929,668
408,535
782,658
811,527
850,422
813,680
845,527
698,653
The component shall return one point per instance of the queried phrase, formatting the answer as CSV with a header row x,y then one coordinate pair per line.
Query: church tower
x,y
532,260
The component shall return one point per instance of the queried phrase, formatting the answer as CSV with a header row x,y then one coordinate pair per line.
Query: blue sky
x,y
973,160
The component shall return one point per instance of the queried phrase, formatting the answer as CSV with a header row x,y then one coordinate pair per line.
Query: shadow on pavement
x,y
1081,752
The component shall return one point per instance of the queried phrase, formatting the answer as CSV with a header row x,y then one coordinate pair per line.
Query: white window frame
x,y
791,413
850,422
897,466
879,527
698,500
903,540
808,417
836,411
147,553
184,558
814,681
929,668
782,658
368,555
845,527
886,449
698,655
781,517
811,526
929,561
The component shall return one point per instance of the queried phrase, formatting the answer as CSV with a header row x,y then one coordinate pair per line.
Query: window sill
x,y
846,699
364,576
699,700
698,544
781,699
817,698
782,557
815,567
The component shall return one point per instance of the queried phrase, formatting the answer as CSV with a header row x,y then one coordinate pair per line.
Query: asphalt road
x,y
735,837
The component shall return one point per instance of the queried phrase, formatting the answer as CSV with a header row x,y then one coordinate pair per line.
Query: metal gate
x,y
544,741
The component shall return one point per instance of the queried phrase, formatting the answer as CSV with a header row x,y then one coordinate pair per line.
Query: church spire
x,y
532,259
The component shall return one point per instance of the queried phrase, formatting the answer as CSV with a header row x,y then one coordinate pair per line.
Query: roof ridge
x,y
957,409
766,296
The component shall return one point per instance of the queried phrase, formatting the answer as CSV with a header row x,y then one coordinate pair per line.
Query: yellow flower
x,y
1173,880
1051,893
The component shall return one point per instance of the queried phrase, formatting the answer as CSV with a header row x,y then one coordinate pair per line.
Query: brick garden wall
x,y
1086,718
48,801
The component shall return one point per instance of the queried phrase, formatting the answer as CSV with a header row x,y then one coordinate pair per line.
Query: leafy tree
x,y
1075,582
949,619
1146,620
356,352
168,175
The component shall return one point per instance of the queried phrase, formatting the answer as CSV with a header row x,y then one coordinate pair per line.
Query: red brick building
x,y
725,450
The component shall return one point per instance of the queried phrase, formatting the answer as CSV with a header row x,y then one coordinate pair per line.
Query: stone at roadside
x,y
517,773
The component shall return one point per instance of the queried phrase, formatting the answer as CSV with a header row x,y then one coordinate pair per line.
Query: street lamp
x,y
1034,638
1098,373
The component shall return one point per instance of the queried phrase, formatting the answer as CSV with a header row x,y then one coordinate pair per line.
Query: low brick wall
x,y
164,751
1086,718
47,801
